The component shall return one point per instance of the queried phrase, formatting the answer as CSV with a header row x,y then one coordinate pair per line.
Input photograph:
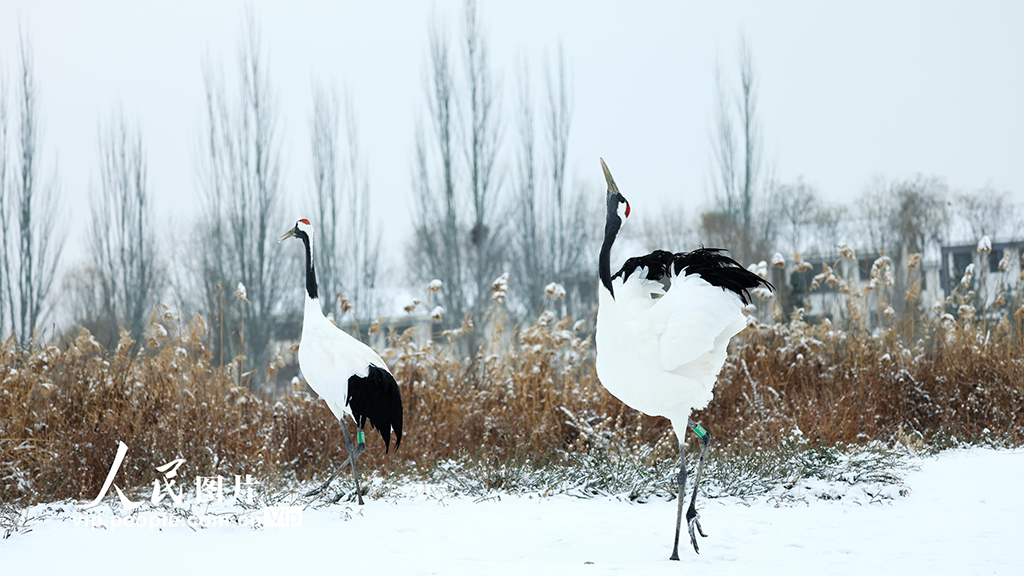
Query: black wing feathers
x,y
708,263
377,397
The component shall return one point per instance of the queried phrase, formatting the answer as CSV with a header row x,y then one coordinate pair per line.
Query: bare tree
x,y
829,225
33,236
482,141
723,141
799,205
349,251
528,232
876,207
240,174
903,218
459,229
921,216
988,212
743,195
122,239
751,136
556,223
5,264
83,296
364,243
436,251
326,192
667,230
559,122
207,250
574,209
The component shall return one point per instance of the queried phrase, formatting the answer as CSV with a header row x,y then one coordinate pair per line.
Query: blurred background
x,y
865,158
154,134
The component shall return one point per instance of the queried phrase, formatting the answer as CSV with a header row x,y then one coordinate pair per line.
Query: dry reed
x,y
528,392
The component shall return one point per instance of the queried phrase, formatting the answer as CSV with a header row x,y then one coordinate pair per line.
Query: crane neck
x,y
611,230
311,291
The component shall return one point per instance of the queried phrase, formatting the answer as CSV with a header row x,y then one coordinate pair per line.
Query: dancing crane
x,y
664,322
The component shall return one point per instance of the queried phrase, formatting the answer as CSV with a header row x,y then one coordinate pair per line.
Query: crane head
x,y
615,198
302,226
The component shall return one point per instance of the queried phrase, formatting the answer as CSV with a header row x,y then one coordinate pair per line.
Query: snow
x,y
961,517
846,251
968,274
554,290
500,288
761,269
240,292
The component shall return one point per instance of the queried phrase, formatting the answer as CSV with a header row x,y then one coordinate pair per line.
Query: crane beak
x,y
287,235
612,188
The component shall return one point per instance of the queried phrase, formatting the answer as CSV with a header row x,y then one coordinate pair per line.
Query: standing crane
x,y
664,322
350,377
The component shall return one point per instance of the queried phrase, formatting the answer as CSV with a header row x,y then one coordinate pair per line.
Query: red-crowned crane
x,y
664,322
350,377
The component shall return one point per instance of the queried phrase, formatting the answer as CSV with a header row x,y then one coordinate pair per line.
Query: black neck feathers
x,y
310,272
611,229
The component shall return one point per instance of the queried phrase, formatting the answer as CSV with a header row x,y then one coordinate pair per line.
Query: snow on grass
x,y
958,514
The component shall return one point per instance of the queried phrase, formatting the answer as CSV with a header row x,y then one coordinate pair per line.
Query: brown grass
x,y
529,391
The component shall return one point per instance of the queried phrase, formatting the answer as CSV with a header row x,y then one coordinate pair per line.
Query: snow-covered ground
x,y
963,515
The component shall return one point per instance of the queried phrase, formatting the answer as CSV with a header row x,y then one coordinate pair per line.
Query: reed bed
x,y
529,395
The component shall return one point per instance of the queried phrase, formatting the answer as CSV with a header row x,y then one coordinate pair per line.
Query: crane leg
x,y
681,479
318,491
692,518
352,453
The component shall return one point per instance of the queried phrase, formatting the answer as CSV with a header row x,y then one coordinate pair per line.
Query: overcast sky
x,y
847,92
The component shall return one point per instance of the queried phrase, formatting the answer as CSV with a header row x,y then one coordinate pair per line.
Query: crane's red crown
x,y
304,221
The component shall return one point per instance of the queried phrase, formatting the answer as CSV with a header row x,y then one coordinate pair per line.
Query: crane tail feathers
x,y
376,396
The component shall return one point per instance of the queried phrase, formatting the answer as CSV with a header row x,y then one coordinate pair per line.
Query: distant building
x,y
828,301
939,272
955,259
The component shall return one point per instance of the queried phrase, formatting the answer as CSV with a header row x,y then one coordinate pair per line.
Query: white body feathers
x,y
329,356
660,352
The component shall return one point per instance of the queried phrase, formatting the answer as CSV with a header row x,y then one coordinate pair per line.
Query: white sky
x,y
847,92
